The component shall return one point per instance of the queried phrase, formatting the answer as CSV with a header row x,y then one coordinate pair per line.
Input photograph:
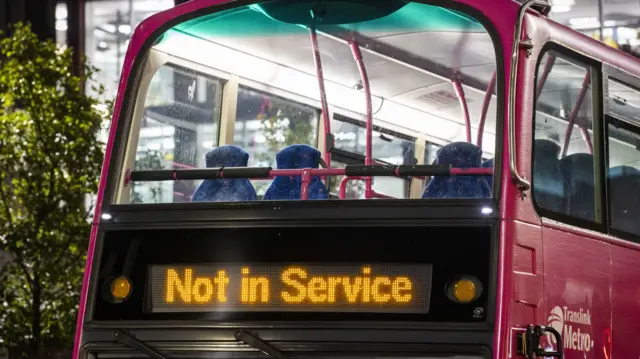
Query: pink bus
x,y
358,179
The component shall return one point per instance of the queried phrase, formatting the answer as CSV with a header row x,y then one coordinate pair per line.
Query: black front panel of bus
x,y
435,255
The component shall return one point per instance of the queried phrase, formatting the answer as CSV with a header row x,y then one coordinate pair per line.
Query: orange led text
x,y
196,290
364,288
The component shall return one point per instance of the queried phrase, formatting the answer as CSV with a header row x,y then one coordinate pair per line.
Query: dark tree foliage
x,y
50,161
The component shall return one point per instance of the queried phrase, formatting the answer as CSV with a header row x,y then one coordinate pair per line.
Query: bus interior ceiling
x,y
414,93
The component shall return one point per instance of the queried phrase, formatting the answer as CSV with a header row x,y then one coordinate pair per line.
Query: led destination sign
x,y
372,288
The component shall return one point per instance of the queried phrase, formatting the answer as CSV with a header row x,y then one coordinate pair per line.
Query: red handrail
x,y
457,87
574,114
308,173
368,157
343,184
323,94
485,108
545,73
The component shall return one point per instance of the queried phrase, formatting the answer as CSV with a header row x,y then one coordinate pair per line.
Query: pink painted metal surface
x,y
526,276
485,108
372,193
607,283
480,171
323,93
574,113
368,158
512,207
323,172
503,20
457,87
545,74
587,138
590,286
625,304
345,181
577,296
306,179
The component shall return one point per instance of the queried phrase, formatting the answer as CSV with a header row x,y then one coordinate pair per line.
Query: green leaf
x,y
50,160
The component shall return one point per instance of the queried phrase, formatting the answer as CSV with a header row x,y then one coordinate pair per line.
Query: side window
x,y
265,124
430,153
180,123
563,163
623,124
387,147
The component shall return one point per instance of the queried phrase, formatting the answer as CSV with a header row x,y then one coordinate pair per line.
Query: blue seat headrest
x,y
298,156
546,149
459,154
547,176
577,164
548,183
226,156
226,190
620,171
288,187
577,170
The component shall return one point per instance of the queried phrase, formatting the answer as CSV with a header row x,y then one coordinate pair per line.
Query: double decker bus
x,y
357,179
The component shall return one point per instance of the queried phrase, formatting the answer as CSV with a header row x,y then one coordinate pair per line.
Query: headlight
x,y
117,290
464,289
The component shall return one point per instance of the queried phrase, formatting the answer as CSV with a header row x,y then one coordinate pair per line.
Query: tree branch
x,y
71,237
25,270
65,247
5,201
89,211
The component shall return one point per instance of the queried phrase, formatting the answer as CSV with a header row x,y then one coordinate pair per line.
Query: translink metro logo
x,y
574,326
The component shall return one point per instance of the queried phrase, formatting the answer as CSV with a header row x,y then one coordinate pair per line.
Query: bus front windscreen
x,y
282,101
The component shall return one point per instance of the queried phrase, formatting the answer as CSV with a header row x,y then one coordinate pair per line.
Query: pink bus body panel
x,y
590,283
542,265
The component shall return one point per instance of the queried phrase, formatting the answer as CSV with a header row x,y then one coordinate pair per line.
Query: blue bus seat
x,y
288,187
620,171
624,193
461,155
549,186
577,170
488,164
226,190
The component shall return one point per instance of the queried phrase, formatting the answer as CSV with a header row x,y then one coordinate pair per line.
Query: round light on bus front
x,y
117,290
464,289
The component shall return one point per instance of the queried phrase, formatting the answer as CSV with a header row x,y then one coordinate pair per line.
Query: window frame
x,y
601,218
124,194
353,158
248,86
611,73
356,158
316,111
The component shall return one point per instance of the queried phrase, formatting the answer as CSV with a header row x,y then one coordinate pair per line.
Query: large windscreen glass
x,y
275,89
